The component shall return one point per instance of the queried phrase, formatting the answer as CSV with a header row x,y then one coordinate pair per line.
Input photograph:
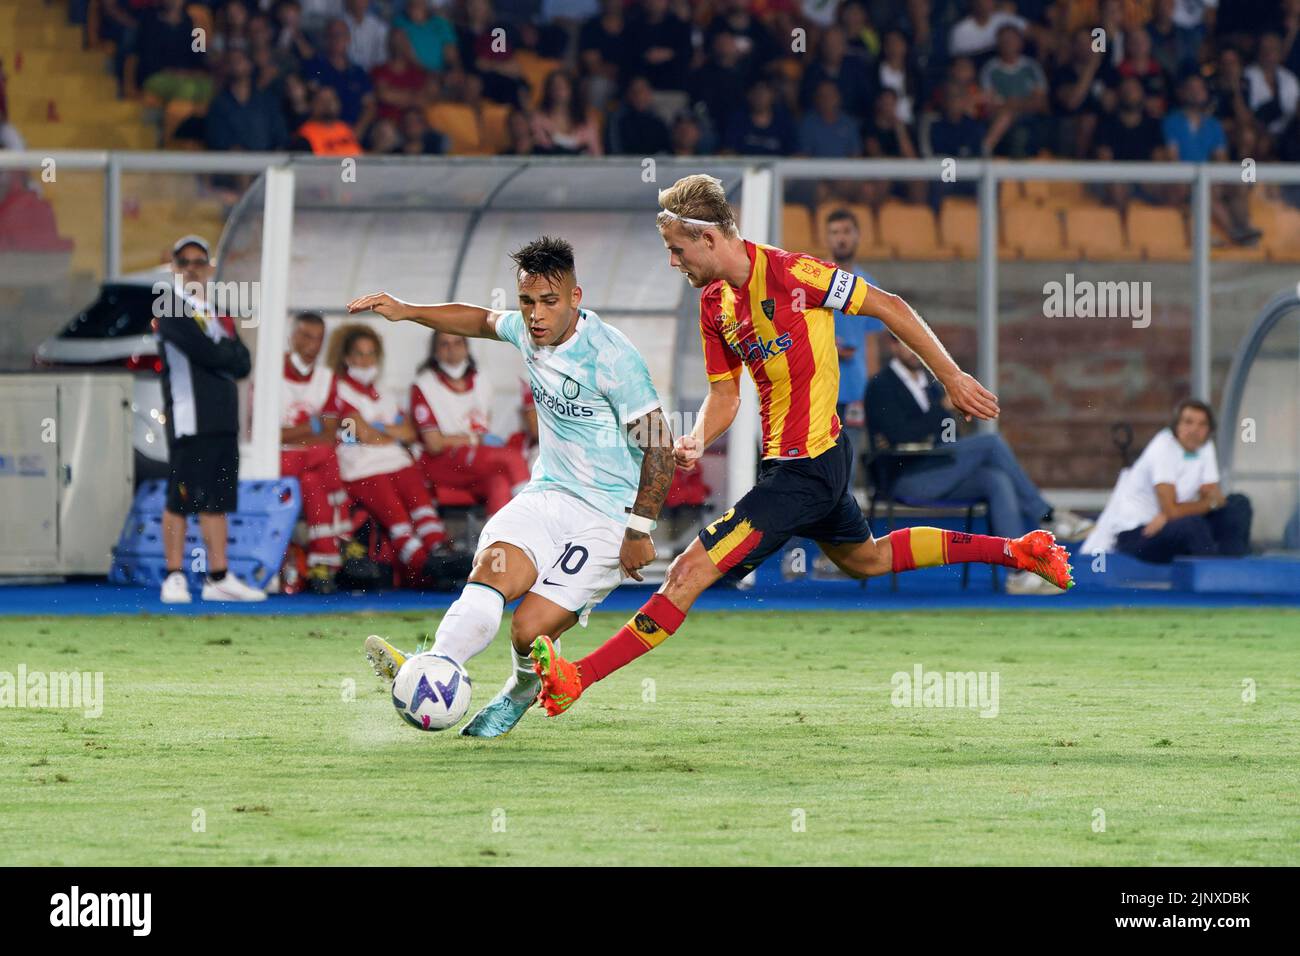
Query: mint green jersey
x,y
587,390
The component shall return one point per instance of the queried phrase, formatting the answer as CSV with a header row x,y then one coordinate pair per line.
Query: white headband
x,y
693,222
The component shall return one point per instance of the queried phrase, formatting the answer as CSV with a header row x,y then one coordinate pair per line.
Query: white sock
x,y
470,623
524,683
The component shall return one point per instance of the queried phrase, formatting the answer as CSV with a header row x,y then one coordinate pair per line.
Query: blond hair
x,y
699,197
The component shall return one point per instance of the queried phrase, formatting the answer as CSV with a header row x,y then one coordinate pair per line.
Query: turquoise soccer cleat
x,y
497,719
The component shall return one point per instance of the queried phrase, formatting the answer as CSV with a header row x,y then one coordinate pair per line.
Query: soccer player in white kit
x,y
583,522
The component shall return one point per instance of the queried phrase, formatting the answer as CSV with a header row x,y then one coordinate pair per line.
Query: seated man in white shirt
x,y
1169,503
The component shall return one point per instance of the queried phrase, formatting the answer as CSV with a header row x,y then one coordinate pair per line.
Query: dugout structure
x,y
313,235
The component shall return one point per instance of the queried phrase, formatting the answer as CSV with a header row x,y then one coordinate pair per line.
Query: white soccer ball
x,y
431,691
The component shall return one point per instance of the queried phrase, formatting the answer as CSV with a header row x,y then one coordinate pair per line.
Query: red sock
x,y
652,625
929,547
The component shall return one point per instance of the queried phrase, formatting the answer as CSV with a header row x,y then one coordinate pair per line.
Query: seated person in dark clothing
x,y
242,116
856,83
906,406
1078,89
720,83
885,135
1169,503
352,84
755,43
1140,63
169,67
1130,134
958,135
661,46
764,129
636,129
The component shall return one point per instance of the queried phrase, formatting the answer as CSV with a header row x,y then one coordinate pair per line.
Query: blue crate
x,y
258,534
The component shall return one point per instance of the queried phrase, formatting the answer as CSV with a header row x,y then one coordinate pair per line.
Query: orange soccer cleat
x,y
1038,552
561,685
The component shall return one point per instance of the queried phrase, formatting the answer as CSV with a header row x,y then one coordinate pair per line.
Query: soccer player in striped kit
x,y
771,311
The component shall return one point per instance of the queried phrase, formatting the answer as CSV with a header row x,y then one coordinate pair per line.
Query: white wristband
x,y
641,523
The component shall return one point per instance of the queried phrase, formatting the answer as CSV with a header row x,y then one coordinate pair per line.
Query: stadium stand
x,y
74,81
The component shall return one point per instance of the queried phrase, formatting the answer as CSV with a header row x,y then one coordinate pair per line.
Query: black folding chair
x,y
882,466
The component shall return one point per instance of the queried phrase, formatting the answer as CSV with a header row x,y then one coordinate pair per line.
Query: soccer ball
x,y
431,691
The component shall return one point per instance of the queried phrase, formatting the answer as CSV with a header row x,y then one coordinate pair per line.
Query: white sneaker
x,y
230,588
176,589
1026,582
1068,526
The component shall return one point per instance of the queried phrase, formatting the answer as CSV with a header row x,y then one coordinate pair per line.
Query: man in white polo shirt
x,y
1169,503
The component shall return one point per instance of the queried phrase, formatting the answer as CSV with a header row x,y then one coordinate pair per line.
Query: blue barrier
x,y
258,534
1253,575
1115,570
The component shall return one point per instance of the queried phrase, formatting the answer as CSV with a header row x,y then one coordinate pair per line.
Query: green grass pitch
x,y
764,738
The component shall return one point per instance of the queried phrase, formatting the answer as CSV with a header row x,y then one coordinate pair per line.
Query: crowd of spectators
x,y
1105,79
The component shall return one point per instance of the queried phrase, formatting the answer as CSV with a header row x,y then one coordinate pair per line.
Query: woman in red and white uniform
x,y
307,454
451,410
377,469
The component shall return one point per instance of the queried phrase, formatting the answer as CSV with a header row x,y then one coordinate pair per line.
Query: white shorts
x,y
573,546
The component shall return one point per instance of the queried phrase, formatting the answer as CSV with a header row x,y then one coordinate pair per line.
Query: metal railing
x,y
762,214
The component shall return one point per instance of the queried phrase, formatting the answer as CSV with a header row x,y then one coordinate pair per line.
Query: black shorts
x,y
204,475
794,497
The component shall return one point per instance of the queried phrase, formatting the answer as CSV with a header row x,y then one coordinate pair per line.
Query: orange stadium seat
x,y
1282,237
797,229
1096,232
959,226
1034,190
1158,232
911,232
535,70
459,123
495,136
1031,231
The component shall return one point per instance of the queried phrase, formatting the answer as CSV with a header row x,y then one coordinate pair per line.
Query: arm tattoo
x,y
652,435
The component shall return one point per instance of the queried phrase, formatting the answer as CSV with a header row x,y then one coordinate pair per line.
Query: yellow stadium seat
x,y
1032,231
1158,232
910,231
797,229
1226,253
959,226
1263,208
1096,232
535,70
1035,190
1282,237
459,123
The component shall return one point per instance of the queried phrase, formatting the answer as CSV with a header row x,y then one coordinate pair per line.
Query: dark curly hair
x,y
549,257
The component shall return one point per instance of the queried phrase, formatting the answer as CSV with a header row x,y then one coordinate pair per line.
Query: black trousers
x,y
1224,532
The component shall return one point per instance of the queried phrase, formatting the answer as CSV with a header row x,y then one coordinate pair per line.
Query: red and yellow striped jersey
x,y
781,325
